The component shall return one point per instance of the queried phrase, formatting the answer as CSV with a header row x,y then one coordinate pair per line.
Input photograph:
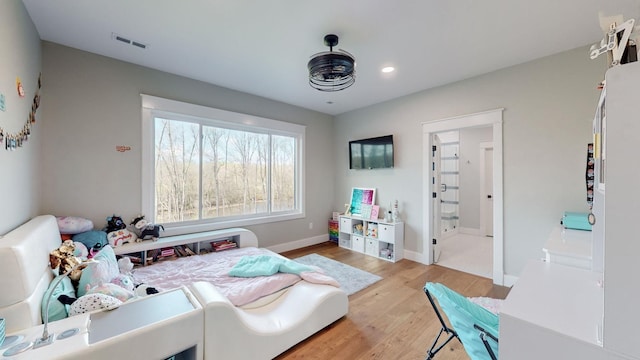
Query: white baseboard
x,y
299,243
509,280
446,234
415,256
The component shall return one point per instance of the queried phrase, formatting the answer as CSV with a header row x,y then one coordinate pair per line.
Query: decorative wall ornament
x,y
16,140
122,148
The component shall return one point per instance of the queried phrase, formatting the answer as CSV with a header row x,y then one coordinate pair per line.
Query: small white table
x,y
153,327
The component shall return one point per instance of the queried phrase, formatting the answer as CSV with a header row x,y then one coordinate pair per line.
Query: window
x,y
206,168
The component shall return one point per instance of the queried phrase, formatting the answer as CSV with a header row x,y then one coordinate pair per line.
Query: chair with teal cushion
x,y
475,326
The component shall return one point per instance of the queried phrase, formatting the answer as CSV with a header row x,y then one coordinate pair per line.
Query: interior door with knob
x,y
435,195
487,192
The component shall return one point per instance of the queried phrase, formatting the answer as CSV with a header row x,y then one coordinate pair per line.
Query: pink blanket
x,y
214,268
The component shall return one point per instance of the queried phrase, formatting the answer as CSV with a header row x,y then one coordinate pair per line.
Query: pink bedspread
x,y
214,268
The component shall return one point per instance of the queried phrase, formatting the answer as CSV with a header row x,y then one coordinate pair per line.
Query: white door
x,y
435,195
486,191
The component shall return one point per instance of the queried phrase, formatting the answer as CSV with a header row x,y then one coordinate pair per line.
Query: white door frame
x,y
484,147
487,118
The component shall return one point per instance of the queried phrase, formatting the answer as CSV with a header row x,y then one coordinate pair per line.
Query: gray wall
x,y
549,105
20,174
469,166
93,105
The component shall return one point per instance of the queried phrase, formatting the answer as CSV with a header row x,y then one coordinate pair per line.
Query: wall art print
x,y
359,197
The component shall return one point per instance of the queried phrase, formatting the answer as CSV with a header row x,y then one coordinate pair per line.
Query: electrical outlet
x,y
310,225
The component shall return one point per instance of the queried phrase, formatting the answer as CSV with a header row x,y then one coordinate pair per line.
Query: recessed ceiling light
x,y
388,69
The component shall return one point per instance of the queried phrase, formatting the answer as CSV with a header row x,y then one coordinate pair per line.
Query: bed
x,y
259,330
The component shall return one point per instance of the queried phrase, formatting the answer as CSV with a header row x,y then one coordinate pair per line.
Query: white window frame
x,y
152,106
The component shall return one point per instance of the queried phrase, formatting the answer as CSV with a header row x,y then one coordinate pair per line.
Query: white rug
x,y
351,279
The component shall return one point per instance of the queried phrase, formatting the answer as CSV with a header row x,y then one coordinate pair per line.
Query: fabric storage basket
x,y
576,221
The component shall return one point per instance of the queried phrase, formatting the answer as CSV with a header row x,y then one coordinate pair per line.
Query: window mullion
x,y
200,172
269,166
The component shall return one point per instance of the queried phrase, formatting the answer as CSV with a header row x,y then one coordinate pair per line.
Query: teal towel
x,y
265,265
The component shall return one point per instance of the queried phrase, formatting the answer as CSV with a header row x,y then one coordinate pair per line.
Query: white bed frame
x,y
228,332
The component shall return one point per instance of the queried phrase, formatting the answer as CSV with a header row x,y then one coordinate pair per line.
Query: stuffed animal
x,y
119,237
114,223
63,261
125,265
145,229
92,302
144,290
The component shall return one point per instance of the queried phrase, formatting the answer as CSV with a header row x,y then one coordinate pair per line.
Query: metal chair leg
x,y
433,350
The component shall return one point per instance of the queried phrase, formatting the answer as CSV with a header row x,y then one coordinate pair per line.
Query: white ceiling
x,y
262,47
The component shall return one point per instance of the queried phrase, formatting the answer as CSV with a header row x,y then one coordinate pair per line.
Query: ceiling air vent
x,y
123,39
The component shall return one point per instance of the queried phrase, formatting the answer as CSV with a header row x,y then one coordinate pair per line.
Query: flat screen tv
x,y
372,153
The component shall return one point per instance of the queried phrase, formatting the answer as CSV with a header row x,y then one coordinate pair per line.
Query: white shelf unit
x,y
377,238
195,242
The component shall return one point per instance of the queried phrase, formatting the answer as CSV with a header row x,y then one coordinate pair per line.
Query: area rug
x,y
351,279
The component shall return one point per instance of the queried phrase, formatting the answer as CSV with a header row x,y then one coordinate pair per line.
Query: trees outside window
x,y
214,170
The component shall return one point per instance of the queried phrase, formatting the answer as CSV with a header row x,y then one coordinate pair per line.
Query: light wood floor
x,y
391,319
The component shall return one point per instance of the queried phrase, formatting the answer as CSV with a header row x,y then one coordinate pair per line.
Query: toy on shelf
x,y
358,229
145,229
372,230
117,233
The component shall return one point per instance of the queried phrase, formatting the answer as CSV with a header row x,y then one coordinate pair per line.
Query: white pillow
x,y
93,302
73,224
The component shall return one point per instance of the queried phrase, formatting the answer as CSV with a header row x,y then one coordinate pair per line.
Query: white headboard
x,y
24,271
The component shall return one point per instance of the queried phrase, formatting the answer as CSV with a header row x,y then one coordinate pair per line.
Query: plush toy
x,y
113,290
125,265
357,229
114,223
145,229
63,260
372,230
125,278
81,251
93,302
144,290
119,237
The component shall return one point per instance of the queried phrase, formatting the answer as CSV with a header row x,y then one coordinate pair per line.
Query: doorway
x,y
460,168
433,189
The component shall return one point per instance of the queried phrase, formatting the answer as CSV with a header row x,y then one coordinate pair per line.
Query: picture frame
x,y
361,196
366,211
375,211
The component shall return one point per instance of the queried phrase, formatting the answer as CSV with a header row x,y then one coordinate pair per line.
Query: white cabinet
x,y
621,209
585,314
357,243
384,240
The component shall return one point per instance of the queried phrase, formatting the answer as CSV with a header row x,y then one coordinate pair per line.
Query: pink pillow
x,y
73,224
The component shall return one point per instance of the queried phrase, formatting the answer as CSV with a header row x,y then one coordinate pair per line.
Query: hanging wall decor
x,y
16,140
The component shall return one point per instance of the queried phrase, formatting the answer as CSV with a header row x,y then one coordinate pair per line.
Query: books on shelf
x,y
226,244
